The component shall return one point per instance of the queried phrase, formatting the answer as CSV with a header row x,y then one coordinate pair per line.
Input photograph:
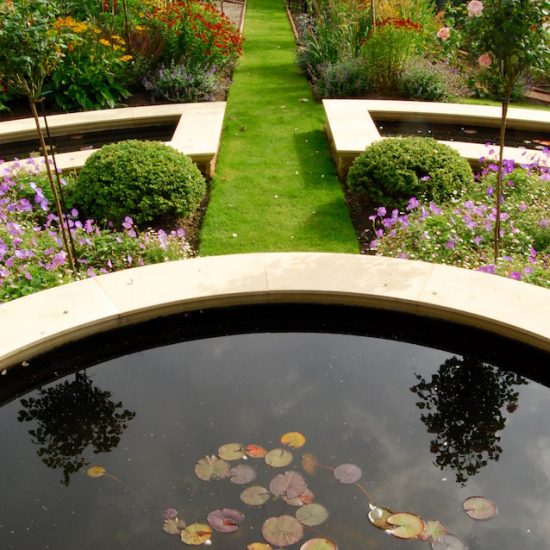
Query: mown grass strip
x,y
275,187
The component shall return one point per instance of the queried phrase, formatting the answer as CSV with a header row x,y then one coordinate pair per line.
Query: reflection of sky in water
x,y
349,395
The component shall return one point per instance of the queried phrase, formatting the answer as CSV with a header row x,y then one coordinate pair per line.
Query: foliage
x,y
460,232
180,83
393,169
143,179
31,253
344,78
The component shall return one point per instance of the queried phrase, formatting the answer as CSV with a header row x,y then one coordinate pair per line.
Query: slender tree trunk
x,y
59,210
372,13
498,189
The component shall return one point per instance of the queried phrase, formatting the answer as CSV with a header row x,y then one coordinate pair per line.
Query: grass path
x,y
275,186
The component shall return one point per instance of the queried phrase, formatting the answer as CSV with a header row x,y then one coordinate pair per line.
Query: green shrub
x,y
346,78
394,169
423,80
142,179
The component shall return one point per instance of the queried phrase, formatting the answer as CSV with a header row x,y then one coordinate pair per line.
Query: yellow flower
x,y
126,58
104,42
139,28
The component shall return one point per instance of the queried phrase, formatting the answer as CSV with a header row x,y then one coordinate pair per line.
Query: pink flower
x,y
475,8
444,33
484,60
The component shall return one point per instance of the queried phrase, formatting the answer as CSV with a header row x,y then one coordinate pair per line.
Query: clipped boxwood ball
x,y
392,170
146,180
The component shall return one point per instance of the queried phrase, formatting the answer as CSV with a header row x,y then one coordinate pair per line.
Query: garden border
x,y
48,319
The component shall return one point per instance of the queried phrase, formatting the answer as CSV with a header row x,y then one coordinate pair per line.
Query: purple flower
x,y
490,268
373,245
515,275
522,207
434,208
425,178
413,203
381,211
490,191
478,239
544,223
450,244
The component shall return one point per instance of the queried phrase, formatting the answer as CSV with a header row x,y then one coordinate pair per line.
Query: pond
x,y
426,413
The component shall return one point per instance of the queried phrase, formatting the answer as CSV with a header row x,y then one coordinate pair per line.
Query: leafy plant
x,y
345,78
142,179
393,169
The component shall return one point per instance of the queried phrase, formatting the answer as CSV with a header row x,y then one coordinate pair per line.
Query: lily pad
x,y
255,451
278,458
225,520
310,463
231,451
305,498
379,517
405,525
242,474
259,546
290,484
319,544
448,542
96,471
173,526
433,530
255,495
348,473
312,514
480,508
196,534
211,467
293,439
169,513
282,530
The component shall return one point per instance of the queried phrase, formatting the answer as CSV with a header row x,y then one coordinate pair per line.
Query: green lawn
x,y
275,187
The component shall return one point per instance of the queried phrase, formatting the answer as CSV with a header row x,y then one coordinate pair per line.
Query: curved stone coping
x,y
45,320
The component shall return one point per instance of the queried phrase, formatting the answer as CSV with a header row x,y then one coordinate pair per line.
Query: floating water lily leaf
x,y
196,534
348,473
282,530
231,451
211,467
293,439
169,513
480,508
305,498
289,484
225,520
259,546
255,451
405,525
96,471
255,495
173,526
310,463
278,458
433,530
319,544
312,514
379,517
242,474
448,542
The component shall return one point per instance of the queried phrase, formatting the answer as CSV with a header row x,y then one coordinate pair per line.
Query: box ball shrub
x,y
146,180
392,170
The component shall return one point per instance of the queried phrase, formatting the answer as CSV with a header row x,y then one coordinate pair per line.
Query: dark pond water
x,y
428,425
86,140
472,134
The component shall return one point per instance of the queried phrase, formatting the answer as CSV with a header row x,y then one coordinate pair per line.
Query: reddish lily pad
x,y
242,474
319,544
312,514
211,467
196,534
433,530
348,473
255,495
173,526
255,451
310,463
231,451
448,542
379,517
293,439
225,520
305,498
169,513
278,458
405,525
480,508
290,484
282,530
96,471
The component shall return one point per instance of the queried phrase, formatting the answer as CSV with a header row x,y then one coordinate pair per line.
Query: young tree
x,y
30,48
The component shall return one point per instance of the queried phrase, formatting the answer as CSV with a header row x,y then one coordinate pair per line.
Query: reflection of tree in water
x,y
70,417
463,401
